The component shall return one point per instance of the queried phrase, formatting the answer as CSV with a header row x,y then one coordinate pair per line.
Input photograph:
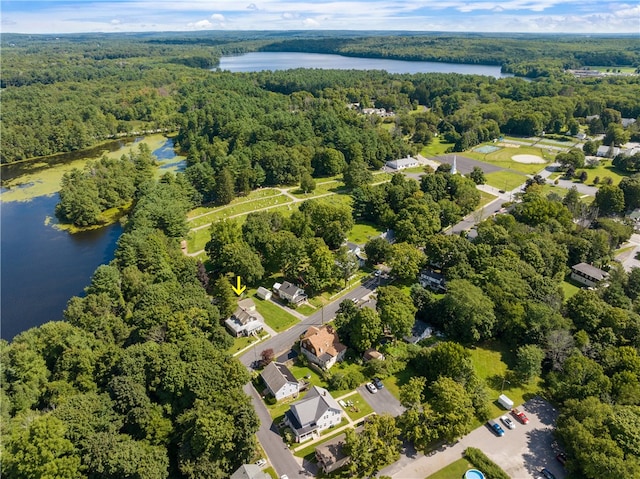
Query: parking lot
x,y
521,452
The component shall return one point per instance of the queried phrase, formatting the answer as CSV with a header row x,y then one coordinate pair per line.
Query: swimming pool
x,y
473,474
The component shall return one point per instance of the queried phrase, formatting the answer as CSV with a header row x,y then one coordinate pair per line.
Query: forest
x,y
80,90
138,380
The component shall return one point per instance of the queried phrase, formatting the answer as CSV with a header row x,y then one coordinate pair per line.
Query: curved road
x,y
276,450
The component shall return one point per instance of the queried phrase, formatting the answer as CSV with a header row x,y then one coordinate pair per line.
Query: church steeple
x,y
454,170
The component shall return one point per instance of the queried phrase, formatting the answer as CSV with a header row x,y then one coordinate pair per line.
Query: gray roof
x,y
331,453
402,162
249,471
276,375
313,406
591,271
290,289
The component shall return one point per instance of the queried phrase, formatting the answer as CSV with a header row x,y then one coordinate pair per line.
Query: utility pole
x,y
504,379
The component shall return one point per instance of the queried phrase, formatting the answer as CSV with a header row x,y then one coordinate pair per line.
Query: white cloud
x,y
200,25
289,16
217,17
115,21
310,22
252,6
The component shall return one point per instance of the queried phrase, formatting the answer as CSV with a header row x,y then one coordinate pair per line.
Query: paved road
x,y
277,452
382,401
522,452
465,165
284,340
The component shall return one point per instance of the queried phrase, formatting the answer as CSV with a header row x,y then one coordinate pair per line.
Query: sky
x,y
529,16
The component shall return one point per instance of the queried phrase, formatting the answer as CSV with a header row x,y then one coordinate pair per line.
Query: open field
x,y
238,209
569,287
604,69
275,317
435,148
603,170
505,180
254,195
363,232
503,158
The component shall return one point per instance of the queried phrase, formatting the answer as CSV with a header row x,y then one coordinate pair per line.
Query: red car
x,y
520,415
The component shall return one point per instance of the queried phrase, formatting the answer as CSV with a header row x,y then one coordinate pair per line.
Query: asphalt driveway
x,y
382,401
521,452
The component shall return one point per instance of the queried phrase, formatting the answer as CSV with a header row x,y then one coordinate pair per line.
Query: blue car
x,y
496,428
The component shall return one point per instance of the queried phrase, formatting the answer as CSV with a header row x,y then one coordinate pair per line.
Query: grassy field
x,y
243,341
603,170
604,69
254,195
503,156
505,180
435,148
485,198
275,317
244,207
363,232
455,470
323,188
490,362
569,288
306,309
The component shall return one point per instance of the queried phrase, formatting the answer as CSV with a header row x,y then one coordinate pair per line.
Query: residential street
x,y
276,450
522,452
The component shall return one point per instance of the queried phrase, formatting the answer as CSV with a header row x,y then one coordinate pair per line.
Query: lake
x,y
258,61
43,267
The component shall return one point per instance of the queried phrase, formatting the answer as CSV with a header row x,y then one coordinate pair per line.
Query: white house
x,y
402,163
321,346
357,251
432,280
280,381
314,413
245,321
588,275
290,292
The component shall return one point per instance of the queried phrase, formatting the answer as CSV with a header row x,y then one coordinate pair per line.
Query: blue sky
x,y
570,16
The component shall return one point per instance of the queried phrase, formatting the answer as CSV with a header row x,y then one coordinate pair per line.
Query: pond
x,y
258,61
43,267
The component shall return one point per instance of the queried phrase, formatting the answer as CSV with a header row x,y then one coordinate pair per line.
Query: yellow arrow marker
x,y
239,289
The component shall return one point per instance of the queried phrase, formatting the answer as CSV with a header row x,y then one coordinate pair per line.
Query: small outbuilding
x,y
263,293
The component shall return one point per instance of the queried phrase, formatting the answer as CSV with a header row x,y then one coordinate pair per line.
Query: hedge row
x,y
489,468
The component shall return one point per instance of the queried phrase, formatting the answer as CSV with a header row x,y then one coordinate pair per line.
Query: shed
x,y
263,293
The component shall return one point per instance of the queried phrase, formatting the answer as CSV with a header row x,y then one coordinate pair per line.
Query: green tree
x,y
468,313
223,296
630,187
406,261
357,175
610,200
477,175
40,450
375,447
378,250
529,362
412,393
346,264
451,405
366,329
307,183
240,260
397,311
224,188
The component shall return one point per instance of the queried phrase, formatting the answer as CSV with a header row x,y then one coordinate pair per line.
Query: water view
x,y
43,267
258,61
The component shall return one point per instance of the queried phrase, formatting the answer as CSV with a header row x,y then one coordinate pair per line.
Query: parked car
x,y
548,474
261,462
522,417
372,389
496,428
562,458
508,422
378,383
284,476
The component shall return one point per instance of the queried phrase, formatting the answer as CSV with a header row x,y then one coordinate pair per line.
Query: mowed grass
x,y
245,207
485,198
323,188
275,317
455,470
503,156
505,180
363,232
569,288
435,148
254,195
605,169
490,362
360,407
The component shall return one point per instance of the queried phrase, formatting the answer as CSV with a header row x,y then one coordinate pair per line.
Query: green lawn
x,y
455,470
360,407
243,341
334,186
306,309
485,198
505,180
490,362
603,170
604,69
272,472
435,148
254,195
569,288
394,382
330,296
244,207
503,156
275,317
363,232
